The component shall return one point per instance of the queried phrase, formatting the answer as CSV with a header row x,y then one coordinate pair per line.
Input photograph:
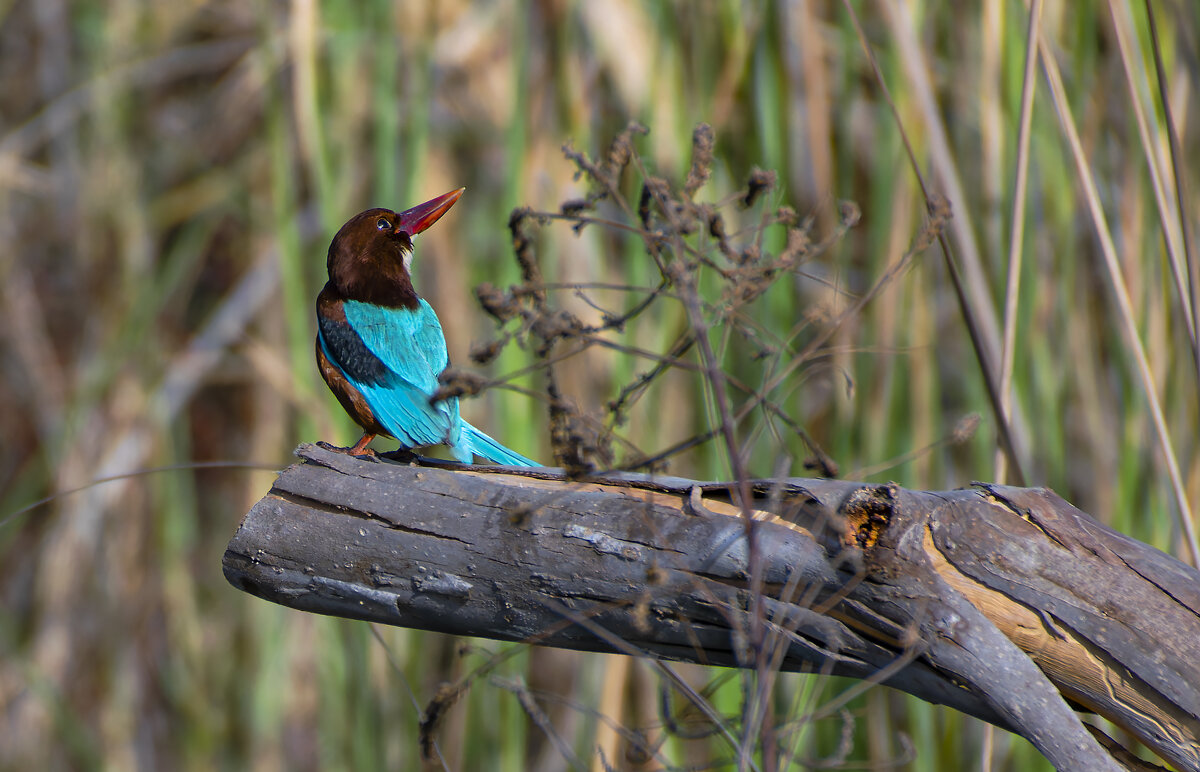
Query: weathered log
x,y
1003,603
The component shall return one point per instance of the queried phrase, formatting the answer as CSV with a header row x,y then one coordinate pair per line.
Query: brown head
x,y
370,257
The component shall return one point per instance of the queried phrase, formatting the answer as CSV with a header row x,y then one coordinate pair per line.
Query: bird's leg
x,y
359,448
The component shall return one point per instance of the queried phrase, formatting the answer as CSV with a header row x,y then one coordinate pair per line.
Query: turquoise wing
x,y
411,344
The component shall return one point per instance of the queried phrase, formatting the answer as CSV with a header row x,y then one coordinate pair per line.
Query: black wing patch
x,y
348,352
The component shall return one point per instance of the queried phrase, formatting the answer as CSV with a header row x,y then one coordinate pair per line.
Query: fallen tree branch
x,y
1003,603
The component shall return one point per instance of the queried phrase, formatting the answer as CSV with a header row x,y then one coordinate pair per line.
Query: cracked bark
x,y
1007,604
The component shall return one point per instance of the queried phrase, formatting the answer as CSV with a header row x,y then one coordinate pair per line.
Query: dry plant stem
x,y
978,343
682,686
655,191
303,35
716,378
912,53
398,672
538,716
824,335
1120,293
1181,188
1016,239
1131,57
756,711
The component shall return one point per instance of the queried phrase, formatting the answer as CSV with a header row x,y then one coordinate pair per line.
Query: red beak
x,y
413,221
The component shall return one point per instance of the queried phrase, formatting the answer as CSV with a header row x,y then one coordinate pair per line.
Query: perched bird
x,y
380,347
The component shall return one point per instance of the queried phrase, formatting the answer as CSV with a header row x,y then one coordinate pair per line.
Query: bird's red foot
x,y
358,450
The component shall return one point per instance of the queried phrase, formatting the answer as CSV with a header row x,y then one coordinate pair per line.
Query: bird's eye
x,y
383,224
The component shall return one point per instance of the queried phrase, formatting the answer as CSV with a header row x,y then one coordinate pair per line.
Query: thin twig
x,y
974,331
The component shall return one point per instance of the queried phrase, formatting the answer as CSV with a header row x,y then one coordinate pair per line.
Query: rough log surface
x,y
1003,603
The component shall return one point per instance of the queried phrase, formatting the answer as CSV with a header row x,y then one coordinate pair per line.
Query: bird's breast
x,y
348,395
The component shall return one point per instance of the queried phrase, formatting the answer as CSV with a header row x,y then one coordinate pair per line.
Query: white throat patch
x,y
408,255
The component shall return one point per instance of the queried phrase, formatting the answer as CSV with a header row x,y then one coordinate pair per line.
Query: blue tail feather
x,y
476,442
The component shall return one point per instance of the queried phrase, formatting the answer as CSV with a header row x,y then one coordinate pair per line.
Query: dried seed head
x,y
703,143
761,181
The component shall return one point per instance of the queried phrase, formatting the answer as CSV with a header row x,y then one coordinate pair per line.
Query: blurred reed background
x,y
170,177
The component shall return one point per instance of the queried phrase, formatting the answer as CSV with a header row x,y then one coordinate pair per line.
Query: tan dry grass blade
x,y
1120,293
1016,238
1168,216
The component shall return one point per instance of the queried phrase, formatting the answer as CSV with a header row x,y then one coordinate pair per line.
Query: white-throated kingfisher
x,y
380,347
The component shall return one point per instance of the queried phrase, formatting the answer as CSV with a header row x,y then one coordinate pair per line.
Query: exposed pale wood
x,y
999,602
